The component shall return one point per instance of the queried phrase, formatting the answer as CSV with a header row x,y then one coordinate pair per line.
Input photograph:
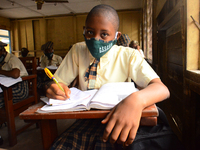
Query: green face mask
x,y
2,57
99,47
49,55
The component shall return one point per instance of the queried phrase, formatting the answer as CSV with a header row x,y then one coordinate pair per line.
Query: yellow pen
x,y
50,75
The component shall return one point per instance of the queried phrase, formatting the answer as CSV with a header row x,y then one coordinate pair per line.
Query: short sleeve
x,y
140,71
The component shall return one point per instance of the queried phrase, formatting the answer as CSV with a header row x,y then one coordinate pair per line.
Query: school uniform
x,y
19,90
116,65
55,61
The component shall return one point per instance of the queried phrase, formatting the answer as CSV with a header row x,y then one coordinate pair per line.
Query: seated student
x,y
24,52
113,64
49,58
134,44
11,66
123,40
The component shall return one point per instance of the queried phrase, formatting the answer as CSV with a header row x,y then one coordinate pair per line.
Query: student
x,y
134,44
11,66
49,58
24,52
116,64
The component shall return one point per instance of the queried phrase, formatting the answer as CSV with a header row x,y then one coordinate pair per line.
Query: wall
x,y
172,49
159,6
5,23
64,31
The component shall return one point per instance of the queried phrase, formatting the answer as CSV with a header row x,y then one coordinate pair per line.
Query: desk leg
x,y
49,132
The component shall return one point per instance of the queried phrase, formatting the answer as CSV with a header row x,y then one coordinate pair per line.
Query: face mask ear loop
x,y
84,32
116,35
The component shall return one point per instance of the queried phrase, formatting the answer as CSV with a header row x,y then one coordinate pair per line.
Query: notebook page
x,y
8,81
111,94
78,101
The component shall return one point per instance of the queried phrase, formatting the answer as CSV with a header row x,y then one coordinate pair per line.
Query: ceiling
x,y
18,9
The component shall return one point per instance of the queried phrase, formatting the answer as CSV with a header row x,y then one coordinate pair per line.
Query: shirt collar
x,y
104,59
8,55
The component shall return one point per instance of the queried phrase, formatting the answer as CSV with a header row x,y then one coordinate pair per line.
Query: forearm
x,y
153,93
15,73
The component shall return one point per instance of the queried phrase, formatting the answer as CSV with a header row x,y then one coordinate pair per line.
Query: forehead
x,y
100,23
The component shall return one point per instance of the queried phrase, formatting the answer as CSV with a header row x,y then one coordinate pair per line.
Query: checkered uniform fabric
x,y
20,91
84,134
123,40
90,74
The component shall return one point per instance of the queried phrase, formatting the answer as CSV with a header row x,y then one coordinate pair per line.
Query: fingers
x,y
66,89
123,135
56,93
105,120
120,129
108,129
120,133
131,136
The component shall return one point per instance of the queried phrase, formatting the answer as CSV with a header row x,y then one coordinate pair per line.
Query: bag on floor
x,y
159,137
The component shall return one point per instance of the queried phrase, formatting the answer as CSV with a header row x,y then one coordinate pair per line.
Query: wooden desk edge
x,y
31,113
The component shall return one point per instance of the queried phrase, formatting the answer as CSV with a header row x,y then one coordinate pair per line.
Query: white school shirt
x,y
116,65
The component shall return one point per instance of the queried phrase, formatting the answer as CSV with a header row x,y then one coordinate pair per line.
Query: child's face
x,y
100,28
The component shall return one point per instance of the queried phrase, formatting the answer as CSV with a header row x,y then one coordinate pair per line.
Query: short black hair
x,y
106,11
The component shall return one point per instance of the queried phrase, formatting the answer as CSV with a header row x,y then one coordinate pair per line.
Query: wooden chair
x,y
10,111
30,64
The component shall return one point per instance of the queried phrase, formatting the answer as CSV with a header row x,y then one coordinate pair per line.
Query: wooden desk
x,y
48,123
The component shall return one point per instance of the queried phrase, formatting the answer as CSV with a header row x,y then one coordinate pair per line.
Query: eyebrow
x,y
94,29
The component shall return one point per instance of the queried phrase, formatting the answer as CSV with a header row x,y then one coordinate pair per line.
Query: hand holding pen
x,y
53,92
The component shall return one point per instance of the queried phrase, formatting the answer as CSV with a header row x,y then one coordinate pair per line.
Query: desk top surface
x,y
31,113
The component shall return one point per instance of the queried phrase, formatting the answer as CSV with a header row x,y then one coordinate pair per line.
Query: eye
x,y
89,33
104,35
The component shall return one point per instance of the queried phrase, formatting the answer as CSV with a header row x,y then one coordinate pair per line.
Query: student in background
x,y
49,58
11,66
134,44
24,52
123,40
98,61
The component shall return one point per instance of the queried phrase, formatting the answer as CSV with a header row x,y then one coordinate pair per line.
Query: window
x,y
5,38
192,32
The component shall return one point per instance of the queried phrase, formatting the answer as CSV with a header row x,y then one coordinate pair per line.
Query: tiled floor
x,y
30,139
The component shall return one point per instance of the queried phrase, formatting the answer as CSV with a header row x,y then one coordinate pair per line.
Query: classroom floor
x,y
30,139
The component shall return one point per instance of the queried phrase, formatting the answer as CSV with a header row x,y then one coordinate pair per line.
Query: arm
x,y
59,60
42,63
123,121
14,73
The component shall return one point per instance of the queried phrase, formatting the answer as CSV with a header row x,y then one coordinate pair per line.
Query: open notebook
x,y
106,98
8,81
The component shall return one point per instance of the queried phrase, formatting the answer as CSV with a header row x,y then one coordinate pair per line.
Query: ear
x,y
119,34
